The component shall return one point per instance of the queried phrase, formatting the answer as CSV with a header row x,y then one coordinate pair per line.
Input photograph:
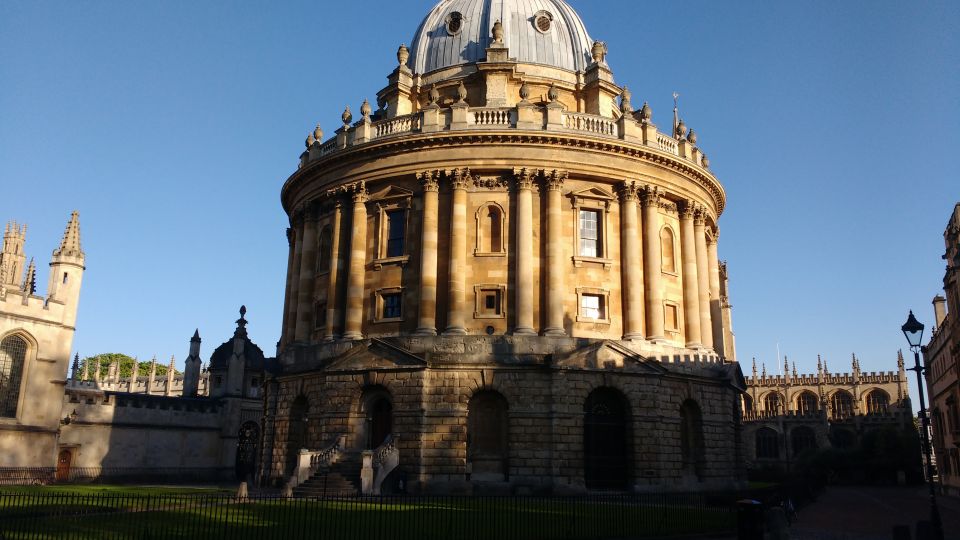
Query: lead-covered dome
x,y
535,31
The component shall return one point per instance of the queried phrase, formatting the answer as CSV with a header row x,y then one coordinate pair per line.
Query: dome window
x,y
454,23
542,21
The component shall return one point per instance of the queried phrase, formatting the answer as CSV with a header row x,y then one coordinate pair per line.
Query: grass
x,y
104,489
468,518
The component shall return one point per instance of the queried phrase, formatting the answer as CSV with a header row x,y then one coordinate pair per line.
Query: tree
x,y
126,366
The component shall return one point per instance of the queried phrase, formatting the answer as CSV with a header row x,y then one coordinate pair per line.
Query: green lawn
x,y
98,489
176,516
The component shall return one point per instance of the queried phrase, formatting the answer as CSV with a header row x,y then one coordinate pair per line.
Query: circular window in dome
x,y
454,23
542,21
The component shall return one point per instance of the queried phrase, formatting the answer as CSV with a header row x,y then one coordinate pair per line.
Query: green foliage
x,y
126,366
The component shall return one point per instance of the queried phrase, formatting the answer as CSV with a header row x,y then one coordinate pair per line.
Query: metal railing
x,y
24,476
52,515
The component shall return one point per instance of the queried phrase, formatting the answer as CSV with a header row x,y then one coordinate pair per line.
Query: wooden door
x,y
64,460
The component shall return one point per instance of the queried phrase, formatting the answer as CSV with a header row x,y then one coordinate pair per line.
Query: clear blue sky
x,y
171,126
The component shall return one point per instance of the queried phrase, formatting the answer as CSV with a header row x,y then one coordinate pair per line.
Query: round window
x,y
542,21
454,23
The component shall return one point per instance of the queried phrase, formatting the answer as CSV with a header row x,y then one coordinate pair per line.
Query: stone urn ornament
x,y
434,95
462,93
346,117
599,52
365,109
403,54
645,113
553,94
705,161
497,32
625,106
691,136
524,91
310,140
318,133
681,130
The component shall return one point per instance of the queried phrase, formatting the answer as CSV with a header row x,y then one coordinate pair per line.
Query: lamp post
x,y
913,330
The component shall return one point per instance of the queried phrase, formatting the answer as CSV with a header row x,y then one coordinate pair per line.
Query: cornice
x,y
649,154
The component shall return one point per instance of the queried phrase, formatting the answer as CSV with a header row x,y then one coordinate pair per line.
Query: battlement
x,y
161,385
808,379
94,406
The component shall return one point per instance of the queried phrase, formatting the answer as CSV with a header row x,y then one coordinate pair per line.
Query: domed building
x,y
503,277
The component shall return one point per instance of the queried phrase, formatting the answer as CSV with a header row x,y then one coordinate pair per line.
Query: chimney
x,y
939,309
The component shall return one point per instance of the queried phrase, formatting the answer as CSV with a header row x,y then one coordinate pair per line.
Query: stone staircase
x,y
341,479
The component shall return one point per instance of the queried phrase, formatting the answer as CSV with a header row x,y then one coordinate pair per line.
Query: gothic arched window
x,y
802,438
13,356
773,403
668,260
877,402
807,403
768,444
842,403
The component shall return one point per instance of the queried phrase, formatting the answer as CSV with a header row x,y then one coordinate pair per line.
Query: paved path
x,y
869,513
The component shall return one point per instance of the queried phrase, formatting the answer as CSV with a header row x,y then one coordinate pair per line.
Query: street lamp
x,y
913,331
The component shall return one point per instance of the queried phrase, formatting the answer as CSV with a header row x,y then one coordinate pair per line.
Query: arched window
x,y
877,402
487,436
802,438
747,403
13,356
324,255
606,451
296,431
668,261
490,226
248,440
807,403
773,403
842,403
842,437
692,452
768,444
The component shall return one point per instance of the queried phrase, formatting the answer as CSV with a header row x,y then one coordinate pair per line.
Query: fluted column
x,y
652,262
631,271
353,321
703,276
427,324
456,312
691,284
308,267
716,315
294,298
555,266
336,263
284,330
524,252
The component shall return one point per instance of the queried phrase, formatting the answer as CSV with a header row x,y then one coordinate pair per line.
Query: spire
x,y
86,370
76,366
196,336
70,244
794,370
764,365
241,331
786,366
96,368
819,364
30,279
754,367
676,111
900,359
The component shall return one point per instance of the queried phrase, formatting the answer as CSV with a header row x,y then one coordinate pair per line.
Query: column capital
x,y
553,180
686,209
699,215
430,180
459,178
524,178
628,191
358,192
650,196
713,234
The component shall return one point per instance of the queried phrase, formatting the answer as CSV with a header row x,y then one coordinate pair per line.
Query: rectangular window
x,y
396,222
392,306
589,233
591,306
490,302
672,318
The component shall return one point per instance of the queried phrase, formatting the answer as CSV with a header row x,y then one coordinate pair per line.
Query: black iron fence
x,y
112,475
51,515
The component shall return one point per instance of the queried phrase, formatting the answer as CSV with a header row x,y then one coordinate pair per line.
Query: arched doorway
x,y
605,440
248,441
378,416
296,431
64,461
487,436
692,452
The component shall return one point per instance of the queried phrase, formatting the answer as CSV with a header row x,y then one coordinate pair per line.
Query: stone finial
x,y
403,54
462,93
310,140
346,117
692,137
553,94
625,106
646,114
196,336
599,52
705,161
681,131
30,279
318,133
524,91
70,244
76,366
497,32
434,95
365,109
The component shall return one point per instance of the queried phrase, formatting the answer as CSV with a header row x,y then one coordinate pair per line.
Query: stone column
x,y
703,276
336,263
308,268
427,324
524,294
353,321
284,332
716,315
294,297
652,262
555,268
631,271
456,312
691,295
